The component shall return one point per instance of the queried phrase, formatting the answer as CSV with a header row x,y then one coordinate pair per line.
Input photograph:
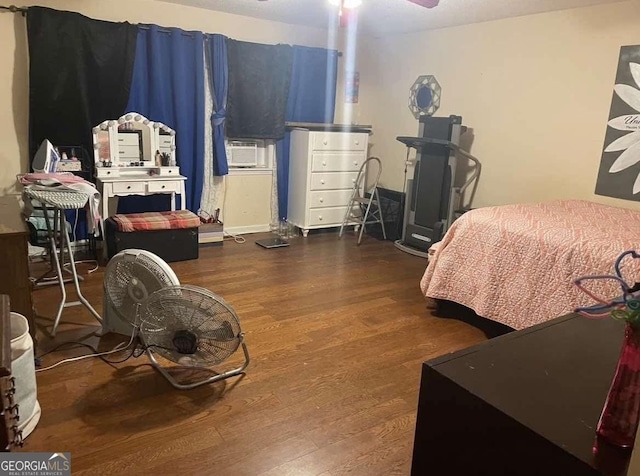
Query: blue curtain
x,y
168,87
312,98
219,78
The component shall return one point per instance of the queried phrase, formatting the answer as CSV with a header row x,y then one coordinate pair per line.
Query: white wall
x,y
14,76
243,213
535,89
359,54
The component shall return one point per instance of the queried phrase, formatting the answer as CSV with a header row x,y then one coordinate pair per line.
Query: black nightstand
x,y
523,404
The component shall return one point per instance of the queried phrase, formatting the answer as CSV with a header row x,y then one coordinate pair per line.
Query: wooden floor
x,y
337,334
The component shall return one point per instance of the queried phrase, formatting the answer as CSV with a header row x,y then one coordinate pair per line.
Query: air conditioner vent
x,y
242,153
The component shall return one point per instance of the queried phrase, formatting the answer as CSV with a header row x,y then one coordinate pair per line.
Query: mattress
x,y
516,264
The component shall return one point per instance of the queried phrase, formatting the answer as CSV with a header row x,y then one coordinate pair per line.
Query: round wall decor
x,y
424,96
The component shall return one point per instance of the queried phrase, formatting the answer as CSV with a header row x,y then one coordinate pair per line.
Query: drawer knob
x,y
322,182
321,200
320,217
163,186
355,163
324,164
353,180
357,142
109,172
325,142
129,187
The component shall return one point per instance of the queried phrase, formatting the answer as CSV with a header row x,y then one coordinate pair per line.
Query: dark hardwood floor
x,y
336,333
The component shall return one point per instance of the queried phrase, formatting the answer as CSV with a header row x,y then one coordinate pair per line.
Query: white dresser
x,y
323,167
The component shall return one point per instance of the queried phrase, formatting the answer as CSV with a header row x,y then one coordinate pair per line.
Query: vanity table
x,y
141,184
136,156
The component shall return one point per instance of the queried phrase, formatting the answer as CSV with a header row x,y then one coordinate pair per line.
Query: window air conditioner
x,y
242,153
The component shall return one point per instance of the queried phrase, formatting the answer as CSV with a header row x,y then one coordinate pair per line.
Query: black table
x,y
526,403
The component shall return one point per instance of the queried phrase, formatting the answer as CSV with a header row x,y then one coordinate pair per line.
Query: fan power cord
x,y
136,351
236,238
93,262
118,348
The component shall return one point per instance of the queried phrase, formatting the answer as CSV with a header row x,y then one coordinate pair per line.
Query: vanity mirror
x,y
134,145
136,156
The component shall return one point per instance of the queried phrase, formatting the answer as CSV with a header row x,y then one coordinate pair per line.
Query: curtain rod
x,y
186,33
23,11
164,30
14,9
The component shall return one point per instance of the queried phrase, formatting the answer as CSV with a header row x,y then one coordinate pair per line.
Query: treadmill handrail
x,y
476,170
421,142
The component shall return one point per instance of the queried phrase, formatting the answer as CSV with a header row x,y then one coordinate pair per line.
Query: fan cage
x,y
175,311
131,276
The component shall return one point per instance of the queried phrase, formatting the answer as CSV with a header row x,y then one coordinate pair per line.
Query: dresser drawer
x,y
125,139
107,172
339,141
163,186
333,180
330,198
129,187
327,216
169,171
129,152
337,162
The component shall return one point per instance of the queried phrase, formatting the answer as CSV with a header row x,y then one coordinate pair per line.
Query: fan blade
x,y
426,3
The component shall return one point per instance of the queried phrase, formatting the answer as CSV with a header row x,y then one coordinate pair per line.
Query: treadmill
x,y
433,201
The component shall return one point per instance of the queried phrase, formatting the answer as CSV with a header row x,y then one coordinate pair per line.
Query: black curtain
x,y
259,77
80,73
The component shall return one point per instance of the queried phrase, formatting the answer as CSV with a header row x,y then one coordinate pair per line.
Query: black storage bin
x,y
392,204
170,245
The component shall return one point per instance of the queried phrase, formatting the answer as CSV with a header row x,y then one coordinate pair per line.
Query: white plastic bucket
x,y
24,370
21,341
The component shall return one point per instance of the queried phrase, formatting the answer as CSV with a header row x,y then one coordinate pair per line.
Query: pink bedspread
x,y
516,264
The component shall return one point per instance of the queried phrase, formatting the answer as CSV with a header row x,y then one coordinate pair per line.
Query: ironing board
x,y
59,201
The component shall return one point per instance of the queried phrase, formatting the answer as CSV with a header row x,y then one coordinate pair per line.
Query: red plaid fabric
x,y
156,221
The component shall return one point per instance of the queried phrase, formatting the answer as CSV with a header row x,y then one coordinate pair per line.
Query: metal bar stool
x,y
364,209
57,201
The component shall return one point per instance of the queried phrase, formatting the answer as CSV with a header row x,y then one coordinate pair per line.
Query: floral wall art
x,y
619,174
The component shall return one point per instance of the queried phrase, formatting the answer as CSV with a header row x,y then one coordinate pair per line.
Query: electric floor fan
x,y
187,325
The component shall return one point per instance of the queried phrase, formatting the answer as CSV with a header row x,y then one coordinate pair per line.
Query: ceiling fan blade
x,y
426,3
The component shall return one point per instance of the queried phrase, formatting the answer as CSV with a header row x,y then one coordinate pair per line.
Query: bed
x,y
515,264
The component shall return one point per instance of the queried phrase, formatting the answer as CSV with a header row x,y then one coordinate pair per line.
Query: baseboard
x,y
244,230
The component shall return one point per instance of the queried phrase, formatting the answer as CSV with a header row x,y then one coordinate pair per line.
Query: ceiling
x,y
385,17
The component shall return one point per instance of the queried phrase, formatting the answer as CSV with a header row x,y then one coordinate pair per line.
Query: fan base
x,y
215,378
